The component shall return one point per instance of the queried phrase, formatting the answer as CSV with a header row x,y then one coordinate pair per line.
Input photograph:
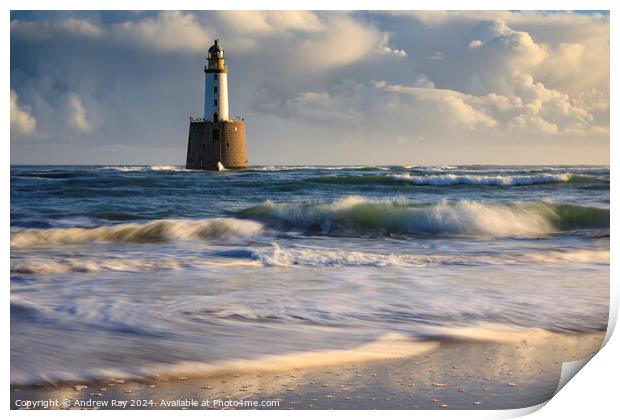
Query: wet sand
x,y
469,372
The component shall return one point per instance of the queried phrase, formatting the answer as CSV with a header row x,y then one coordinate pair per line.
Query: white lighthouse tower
x,y
216,141
216,85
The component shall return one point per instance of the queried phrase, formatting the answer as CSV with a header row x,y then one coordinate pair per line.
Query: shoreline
x,y
470,372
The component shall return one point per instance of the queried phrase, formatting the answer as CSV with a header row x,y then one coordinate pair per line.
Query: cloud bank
x,y
315,87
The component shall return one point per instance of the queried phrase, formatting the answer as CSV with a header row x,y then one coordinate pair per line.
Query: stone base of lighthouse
x,y
211,143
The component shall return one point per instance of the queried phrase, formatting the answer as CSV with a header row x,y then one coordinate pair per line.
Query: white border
x,y
592,394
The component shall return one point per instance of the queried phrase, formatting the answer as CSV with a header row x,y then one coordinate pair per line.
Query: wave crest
x,y
439,180
492,180
129,168
157,231
356,215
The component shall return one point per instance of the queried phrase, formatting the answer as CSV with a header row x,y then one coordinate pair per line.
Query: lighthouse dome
x,y
216,51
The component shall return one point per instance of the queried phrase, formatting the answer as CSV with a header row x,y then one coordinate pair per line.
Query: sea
x,y
135,271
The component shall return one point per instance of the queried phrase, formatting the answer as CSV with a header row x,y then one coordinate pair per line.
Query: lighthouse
x,y
216,84
216,141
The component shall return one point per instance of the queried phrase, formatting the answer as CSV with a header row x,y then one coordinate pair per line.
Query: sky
x,y
314,87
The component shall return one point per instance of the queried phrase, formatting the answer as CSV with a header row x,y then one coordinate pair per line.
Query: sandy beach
x,y
510,371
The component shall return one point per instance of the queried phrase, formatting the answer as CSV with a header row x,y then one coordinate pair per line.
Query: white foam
x,y
170,168
88,265
125,168
570,256
291,257
79,264
329,257
335,257
129,168
496,180
275,168
441,168
489,332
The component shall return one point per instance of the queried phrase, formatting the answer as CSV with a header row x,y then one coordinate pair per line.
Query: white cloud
x,y
168,31
22,123
81,27
77,114
346,42
455,107
258,22
422,81
49,30
352,103
525,81
533,108
396,51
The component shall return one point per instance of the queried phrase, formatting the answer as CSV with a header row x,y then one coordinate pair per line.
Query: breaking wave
x,y
128,168
356,215
350,216
165,230
495,180
451,179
